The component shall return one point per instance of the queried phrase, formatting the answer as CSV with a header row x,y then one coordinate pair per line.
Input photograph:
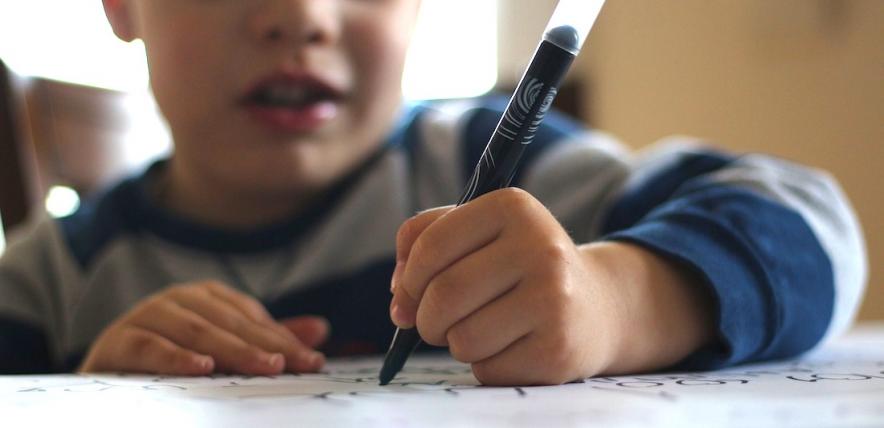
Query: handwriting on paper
x,y
358,379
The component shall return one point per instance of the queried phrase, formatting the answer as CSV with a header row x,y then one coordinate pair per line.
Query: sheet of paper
x,y
840,385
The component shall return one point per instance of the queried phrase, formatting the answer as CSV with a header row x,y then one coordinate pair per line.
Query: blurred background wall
x,y
800,79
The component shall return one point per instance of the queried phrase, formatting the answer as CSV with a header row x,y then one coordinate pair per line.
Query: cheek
x,y
379,57
182,77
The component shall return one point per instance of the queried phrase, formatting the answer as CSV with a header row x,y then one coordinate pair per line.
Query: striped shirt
x,y
777,244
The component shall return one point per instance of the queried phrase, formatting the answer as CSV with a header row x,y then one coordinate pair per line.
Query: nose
x,y
299,22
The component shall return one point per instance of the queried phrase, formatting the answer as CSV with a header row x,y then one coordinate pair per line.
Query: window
x,y
454,52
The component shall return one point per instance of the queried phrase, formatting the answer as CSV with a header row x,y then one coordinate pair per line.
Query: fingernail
x,y
273,360
395,279
399,316
204,363
315,359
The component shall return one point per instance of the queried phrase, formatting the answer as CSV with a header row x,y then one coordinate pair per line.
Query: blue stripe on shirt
x,y
771,279
651,190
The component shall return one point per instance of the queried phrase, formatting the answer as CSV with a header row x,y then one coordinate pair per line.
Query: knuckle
x,y
209,287
486,373
184,290
429,329
428,308
252,305
412,292
406,230
423,251
146,307
233,323
434,305
460,340
420,262
516,199
439,292
557,251
194,330
138,344
174,293
515,195
255,310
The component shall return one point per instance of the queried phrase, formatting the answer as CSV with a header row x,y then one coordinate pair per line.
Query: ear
x,y
121,18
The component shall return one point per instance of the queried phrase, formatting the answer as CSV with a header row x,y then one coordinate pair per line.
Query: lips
x,y
293,102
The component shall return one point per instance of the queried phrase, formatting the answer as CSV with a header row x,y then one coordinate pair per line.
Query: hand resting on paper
x,y
200,328
501,283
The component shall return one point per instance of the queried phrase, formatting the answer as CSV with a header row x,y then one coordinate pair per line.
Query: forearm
x,y
663,312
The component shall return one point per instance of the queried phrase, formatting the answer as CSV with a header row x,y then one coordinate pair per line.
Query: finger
x,y
311,330
412,228
142,351
298,357
245,303
309,361
469,284
491,329
534,359
190,330
458,233
408,233
510,367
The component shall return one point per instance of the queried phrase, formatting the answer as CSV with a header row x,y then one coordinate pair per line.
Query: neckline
x,y
180,230
143,210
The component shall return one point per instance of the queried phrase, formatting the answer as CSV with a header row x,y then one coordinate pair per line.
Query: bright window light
x,y
453,55
69,40
62,201
454,50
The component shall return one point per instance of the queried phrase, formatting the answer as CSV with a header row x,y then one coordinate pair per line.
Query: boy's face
x,y
271,96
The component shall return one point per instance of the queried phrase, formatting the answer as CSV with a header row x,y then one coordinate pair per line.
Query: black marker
x,y
533,97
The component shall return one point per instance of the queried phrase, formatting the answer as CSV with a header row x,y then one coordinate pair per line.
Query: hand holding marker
x,y
562,40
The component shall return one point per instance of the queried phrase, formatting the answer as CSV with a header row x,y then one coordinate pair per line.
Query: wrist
x,y
663,312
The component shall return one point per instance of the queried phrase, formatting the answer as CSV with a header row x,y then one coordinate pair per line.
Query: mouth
x,y
293,103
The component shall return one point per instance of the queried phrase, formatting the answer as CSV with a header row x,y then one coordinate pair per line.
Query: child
x,y
276,225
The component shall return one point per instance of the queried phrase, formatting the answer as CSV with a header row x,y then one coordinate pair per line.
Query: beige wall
x,y
802,79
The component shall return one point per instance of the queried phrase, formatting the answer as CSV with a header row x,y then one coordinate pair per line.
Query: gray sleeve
x,y
577,179
29,291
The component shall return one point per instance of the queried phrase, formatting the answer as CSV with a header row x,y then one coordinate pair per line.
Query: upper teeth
x,y
287,94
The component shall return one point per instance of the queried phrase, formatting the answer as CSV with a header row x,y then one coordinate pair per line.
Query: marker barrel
x,y
520,121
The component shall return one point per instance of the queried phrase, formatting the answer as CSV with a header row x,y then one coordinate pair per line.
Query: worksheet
x,y
841,384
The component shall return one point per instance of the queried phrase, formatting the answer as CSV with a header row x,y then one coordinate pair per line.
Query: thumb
x,y
311,330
